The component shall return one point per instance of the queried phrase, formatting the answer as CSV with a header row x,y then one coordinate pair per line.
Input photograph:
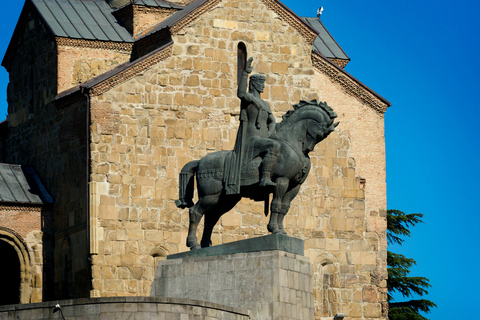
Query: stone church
x,y
109,99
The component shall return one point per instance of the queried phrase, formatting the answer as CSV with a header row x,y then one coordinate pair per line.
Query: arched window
x,y
326,285
241,59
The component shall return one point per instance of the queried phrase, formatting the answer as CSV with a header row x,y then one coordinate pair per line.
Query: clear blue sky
x,y
422,56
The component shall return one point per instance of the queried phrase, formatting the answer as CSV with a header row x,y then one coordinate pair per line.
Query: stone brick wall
x,y
271,284
53,140
185,107
21,219
77,62
147,17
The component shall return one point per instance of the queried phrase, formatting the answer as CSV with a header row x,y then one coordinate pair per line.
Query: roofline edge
x,y
333,71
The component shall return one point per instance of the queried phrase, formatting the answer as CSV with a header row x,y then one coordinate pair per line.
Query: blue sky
x,y
422,57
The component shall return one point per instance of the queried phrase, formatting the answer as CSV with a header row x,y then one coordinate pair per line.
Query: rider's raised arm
x,y
242,93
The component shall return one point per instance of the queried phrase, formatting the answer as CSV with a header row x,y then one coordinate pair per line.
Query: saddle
x,y
250,173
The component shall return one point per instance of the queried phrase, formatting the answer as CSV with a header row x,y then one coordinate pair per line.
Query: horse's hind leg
x,y
195,214
213,214
194,220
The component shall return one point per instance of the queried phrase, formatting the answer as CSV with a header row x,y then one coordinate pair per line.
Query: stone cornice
x,y
94,44
4,207
349,84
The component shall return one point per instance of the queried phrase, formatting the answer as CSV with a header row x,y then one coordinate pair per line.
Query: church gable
x,y
178,103
324,46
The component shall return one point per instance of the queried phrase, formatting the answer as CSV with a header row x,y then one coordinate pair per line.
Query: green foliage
x,y
398,224
399,270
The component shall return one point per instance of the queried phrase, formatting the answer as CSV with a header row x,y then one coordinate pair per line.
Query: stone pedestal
x,y
271,283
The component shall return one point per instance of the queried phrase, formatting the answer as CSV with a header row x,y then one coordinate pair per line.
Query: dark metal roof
x,y
158,3
21,184
82,19
324,43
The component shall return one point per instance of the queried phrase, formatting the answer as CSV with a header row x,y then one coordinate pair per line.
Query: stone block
x,y
261,281
264,243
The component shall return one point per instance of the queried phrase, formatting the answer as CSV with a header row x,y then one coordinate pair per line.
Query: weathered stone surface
x,y
271,284
265,243
143,308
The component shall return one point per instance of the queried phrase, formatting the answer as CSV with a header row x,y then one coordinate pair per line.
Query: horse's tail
x,y
185,185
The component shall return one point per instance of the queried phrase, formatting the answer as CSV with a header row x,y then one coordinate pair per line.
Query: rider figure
x,y
257,124
260,124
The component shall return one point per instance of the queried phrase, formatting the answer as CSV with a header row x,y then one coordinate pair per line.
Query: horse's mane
x,y
312,103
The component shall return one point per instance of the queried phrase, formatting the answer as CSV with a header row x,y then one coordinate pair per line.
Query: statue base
x,y
270,281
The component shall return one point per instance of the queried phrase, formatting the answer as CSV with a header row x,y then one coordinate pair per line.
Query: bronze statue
x,y
266,159
257,123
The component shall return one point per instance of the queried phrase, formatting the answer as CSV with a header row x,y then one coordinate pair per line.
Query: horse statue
x,y
300,130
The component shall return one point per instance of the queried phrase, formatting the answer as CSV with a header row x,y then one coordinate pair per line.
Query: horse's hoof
x,y
281,230
195,247
271,228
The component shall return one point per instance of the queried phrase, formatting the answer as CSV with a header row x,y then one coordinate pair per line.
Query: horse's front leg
x,y
285,206
275,209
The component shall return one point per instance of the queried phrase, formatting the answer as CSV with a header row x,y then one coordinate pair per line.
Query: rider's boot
x,y
266,170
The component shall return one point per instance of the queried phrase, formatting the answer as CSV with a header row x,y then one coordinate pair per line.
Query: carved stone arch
x,y
326,282
11,240
158,253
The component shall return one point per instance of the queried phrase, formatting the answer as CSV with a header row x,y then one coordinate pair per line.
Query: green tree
x,y
398,224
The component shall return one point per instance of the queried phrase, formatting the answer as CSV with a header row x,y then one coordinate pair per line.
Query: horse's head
x,y
313,121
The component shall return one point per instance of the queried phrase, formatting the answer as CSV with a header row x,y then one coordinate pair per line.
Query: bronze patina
x,y
267,158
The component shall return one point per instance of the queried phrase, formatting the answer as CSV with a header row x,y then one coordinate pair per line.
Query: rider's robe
x,y
234,160
253,123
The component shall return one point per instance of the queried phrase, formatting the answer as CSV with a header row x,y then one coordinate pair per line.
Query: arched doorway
x,y
10,274
15,268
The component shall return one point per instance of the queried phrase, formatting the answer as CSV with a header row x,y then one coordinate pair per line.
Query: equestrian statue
x,y
267,158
